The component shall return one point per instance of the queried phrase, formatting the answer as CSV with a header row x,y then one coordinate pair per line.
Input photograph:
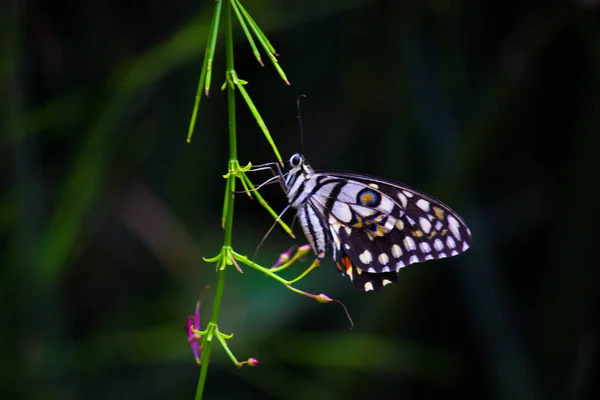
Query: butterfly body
x,y
374,227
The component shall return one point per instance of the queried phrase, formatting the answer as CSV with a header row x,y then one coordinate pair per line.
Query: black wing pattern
x,y
377,227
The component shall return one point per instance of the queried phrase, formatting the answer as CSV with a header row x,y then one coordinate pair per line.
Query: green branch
x,y
200,340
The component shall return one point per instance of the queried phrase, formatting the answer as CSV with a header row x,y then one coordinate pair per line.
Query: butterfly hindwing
x,y
383,227
364,281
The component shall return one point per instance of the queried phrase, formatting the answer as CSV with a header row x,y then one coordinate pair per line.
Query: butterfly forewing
x,y
373,226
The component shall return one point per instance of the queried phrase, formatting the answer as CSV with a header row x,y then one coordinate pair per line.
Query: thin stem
x,y
262,38
229,198
240,18
314,265
259,120
203,368
252,264
266,206
221,339
200,87
271,274
259,33
210,51
226,200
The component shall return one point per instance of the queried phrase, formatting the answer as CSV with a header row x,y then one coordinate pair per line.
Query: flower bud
x,y
323,298
252,362
283,258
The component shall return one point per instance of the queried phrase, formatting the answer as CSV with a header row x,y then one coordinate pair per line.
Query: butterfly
x,y
373,226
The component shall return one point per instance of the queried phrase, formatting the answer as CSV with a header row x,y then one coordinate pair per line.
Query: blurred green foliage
x,y
106,211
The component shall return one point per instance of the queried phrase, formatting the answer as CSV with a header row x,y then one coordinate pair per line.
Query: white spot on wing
x,y
385,269
423,205
386,205
425,247
450,242
342,211
409,243
438,245
366,257
454,226
385,282
465,246
396,251
374,185
425,225
403,200
413,259
400,264
390,223
408,194
428,257
383,259
368,286
372,270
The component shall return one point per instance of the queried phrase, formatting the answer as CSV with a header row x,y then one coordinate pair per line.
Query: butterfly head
x,y
298,165
296,160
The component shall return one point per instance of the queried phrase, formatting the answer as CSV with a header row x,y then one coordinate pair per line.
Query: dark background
x,y
106,211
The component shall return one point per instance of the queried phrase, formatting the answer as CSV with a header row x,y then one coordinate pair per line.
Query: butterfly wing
x,y
363,280
377,227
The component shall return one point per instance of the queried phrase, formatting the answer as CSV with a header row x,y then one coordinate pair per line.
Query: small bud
x,y
283,258
251,362
303,250
323,298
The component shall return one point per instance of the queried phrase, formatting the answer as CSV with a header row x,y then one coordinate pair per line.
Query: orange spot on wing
x,y
439,213
381,231
367,198
347,264
359,222
378,218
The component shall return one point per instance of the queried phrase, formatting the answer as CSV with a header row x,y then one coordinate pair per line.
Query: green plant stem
x,y
204,358
228,195
210,54
240,18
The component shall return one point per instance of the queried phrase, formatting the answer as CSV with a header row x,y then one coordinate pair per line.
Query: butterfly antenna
x,y
300,123
269,231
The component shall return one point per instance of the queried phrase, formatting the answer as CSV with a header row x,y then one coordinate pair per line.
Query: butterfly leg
x,y
274,167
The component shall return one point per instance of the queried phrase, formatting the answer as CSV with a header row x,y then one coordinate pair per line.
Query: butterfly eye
x,y
295,160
